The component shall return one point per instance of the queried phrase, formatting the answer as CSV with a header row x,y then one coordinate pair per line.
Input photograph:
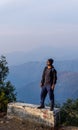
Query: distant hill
x,y
26,78
67,86
39,54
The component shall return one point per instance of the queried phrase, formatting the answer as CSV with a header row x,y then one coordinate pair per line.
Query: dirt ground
x,y
13,124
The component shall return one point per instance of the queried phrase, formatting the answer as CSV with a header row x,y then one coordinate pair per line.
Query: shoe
x,y
51,109
40,107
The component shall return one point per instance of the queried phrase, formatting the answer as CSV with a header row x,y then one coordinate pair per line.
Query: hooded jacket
x,y
52,76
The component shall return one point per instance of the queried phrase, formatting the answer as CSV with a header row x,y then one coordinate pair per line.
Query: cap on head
x,y
51,61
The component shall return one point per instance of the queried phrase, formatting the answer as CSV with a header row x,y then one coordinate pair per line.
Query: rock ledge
x,y
23,111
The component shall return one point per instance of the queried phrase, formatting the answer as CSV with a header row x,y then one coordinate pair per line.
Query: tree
x,y
69,112
7,90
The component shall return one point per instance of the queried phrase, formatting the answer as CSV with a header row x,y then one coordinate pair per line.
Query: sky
x,y
29,24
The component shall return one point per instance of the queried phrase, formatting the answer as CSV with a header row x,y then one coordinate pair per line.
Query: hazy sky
x,y
29,24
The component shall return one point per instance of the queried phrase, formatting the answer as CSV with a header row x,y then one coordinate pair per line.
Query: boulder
x,y
24,112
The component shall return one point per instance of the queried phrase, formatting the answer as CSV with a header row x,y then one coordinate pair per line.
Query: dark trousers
x,y
47,89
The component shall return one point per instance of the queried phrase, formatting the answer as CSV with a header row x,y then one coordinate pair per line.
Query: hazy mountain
x,y
26,78
67,86
38,54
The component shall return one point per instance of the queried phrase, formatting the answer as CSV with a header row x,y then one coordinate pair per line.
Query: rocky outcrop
x,y
30,112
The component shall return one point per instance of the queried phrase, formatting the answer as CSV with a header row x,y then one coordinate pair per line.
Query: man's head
x,y
50,62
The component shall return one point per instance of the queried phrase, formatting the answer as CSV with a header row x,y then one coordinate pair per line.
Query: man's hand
x,y
53,86
41,85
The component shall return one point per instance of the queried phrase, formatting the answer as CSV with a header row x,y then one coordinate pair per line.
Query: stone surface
x,y
30,112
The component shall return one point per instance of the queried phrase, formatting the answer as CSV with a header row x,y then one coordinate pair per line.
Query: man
x,y
48,82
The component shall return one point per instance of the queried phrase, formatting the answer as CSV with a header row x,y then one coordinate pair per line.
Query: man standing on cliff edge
x,y
48,82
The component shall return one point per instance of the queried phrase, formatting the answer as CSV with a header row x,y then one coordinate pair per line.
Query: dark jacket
x,y
53,76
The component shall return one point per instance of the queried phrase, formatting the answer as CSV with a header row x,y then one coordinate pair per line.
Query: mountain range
x,y
40,54
26,78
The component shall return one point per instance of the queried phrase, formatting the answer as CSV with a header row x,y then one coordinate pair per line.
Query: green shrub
x,y
7,90
69,112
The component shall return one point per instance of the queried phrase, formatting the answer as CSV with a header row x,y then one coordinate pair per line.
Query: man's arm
x,y
43,77
54,79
